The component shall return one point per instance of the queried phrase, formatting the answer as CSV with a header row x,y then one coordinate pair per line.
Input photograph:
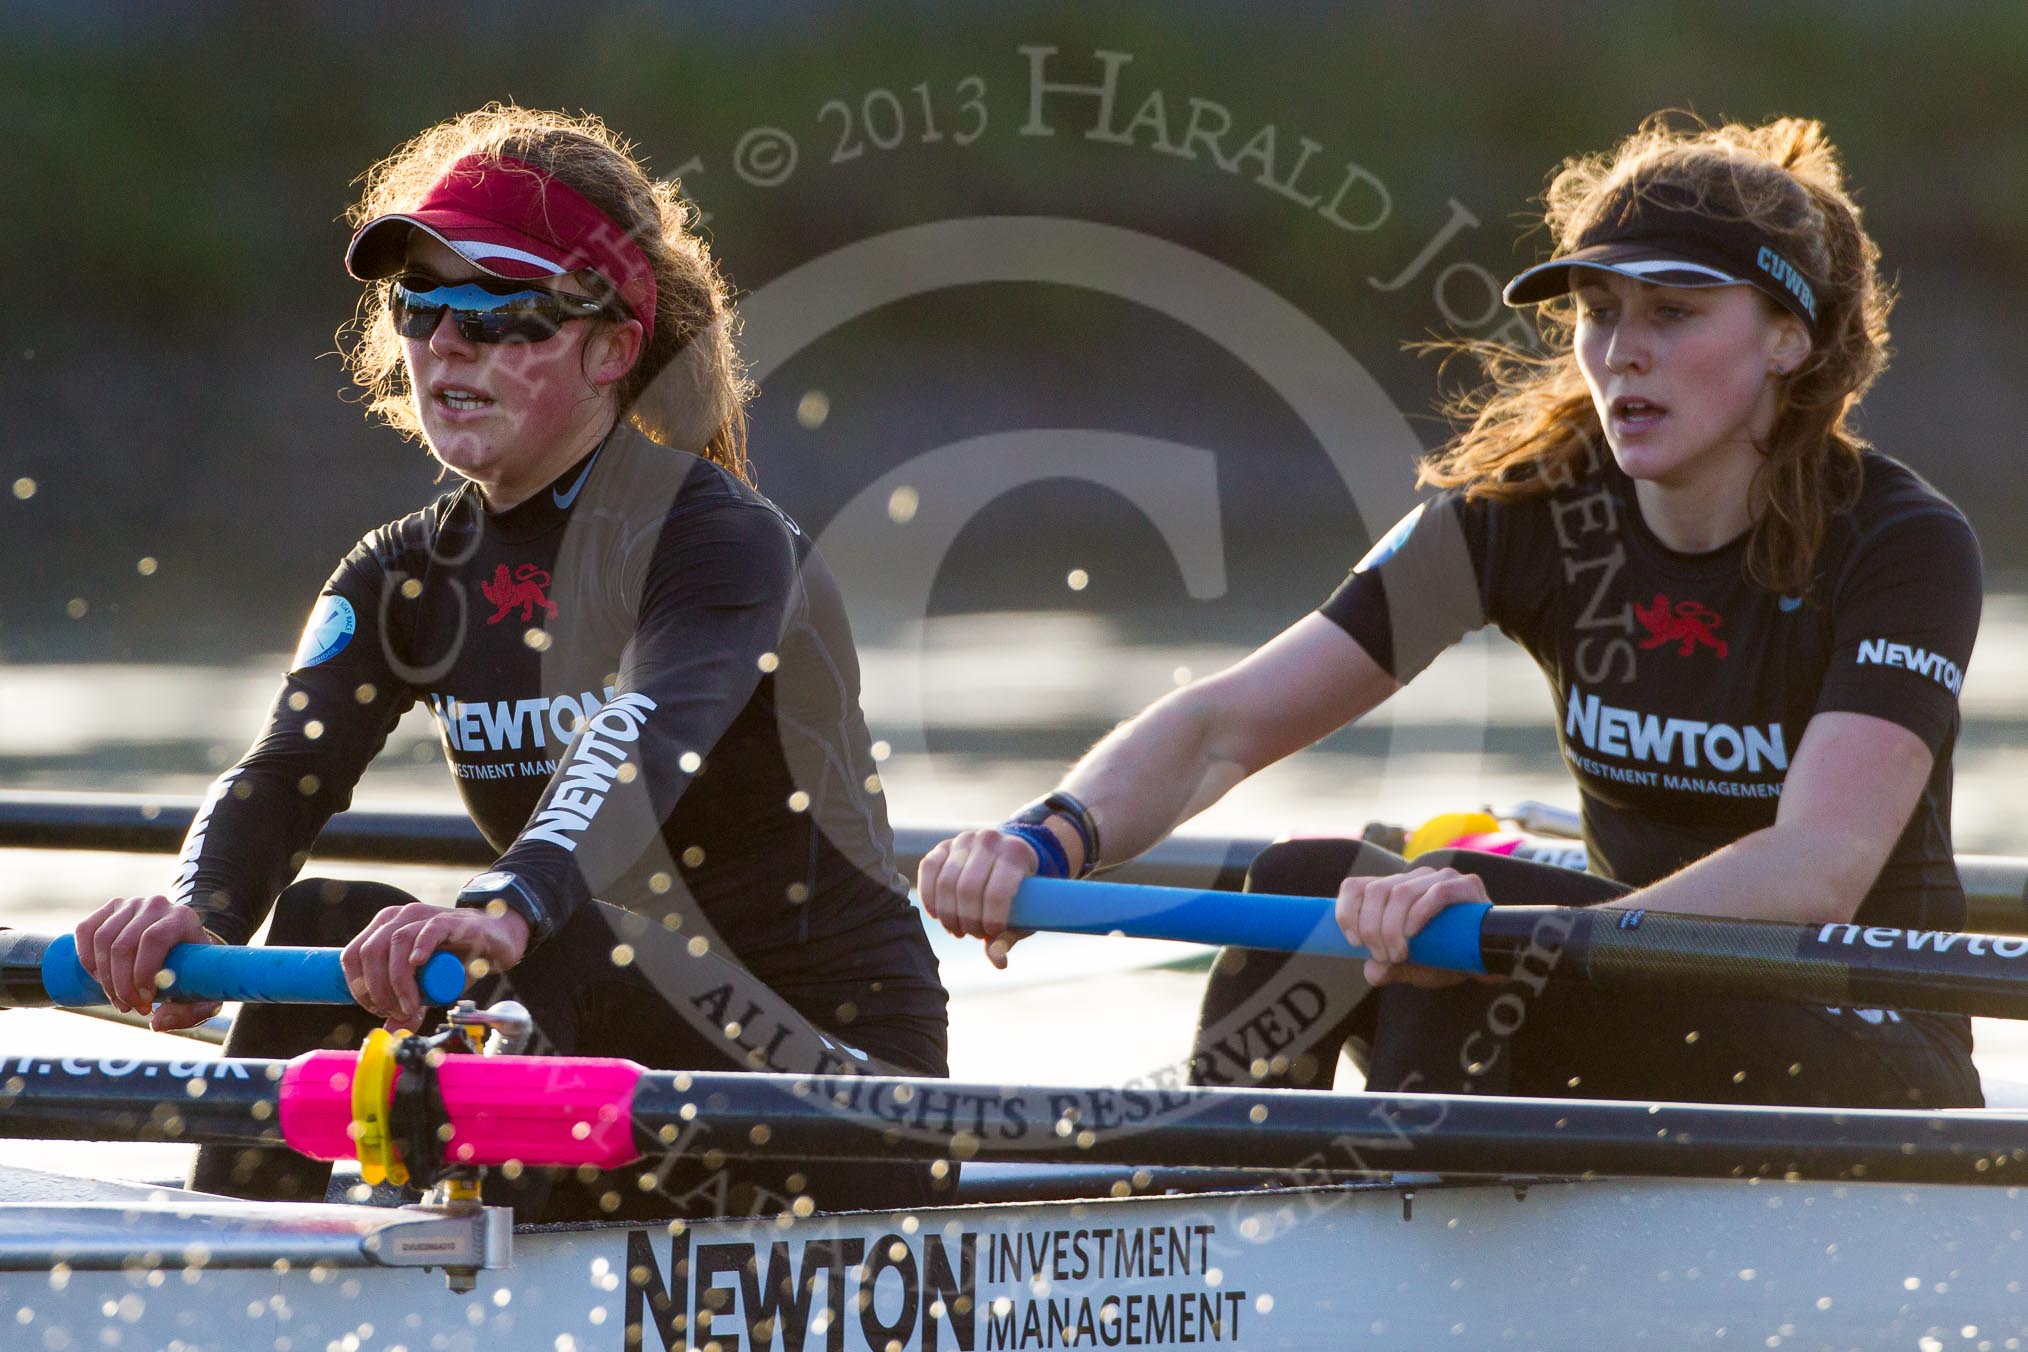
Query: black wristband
x,y
510,891
1072,810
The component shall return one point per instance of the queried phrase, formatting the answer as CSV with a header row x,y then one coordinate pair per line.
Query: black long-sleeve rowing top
x,y
648,692
1683,689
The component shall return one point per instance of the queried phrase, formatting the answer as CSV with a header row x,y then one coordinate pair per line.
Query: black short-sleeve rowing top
x,y
1682,688
647,690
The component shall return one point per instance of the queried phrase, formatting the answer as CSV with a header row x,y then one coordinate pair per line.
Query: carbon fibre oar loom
x,y
571,1111
1942,971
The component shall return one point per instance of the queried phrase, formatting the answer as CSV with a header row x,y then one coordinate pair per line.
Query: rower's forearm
x,y
1151,774
1766,875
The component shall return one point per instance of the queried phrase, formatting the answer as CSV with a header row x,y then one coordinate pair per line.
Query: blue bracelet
x,y
1073,810
1050,859
1075,815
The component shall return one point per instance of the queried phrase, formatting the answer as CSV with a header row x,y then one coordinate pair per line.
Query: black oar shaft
x,y
21,969
194,1102
1293,1132
1945,971
1846,965
144,824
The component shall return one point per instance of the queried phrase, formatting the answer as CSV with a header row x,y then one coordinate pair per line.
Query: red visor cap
x,y
509,219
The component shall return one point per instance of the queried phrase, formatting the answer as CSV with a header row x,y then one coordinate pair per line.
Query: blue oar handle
x,y
1244,919
305,976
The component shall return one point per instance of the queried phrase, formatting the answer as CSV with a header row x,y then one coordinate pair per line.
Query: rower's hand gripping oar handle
x,y
1836,963
304,976
1243,919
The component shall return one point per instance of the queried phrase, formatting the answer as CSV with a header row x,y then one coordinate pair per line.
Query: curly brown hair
x,y
690,387
1531,424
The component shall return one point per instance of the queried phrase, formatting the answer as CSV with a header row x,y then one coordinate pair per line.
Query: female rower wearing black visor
x,y
643,675
1754,627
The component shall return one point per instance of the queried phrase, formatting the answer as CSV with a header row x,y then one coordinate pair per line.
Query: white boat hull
x,y
1596,1264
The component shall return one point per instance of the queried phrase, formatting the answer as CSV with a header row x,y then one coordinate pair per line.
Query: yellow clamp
x,y
373,1106
1441,830
461,1189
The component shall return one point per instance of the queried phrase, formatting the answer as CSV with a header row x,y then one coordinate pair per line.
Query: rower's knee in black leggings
x,y
1524,882
1278,1020
328,912
1302,868
1253,997
1314,868
312,913
1454,1039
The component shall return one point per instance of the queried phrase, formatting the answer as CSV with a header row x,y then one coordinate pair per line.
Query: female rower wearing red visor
x,y
643,676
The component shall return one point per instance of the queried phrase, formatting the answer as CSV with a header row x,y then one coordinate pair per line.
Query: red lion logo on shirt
x,y
527,589
1687,624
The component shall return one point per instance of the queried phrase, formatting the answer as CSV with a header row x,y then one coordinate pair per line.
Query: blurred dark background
x,y
177,176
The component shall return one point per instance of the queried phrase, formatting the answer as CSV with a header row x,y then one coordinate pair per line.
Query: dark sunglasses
x,y
485,311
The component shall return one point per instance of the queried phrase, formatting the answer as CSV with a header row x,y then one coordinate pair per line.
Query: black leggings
x,y
1273,1019
666,1006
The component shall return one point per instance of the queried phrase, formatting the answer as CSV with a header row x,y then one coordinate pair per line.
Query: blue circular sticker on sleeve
x,y
1387,545
329,630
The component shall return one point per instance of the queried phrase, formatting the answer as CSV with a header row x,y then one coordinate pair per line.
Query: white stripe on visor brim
x,y
477,251
1547,280
1647,269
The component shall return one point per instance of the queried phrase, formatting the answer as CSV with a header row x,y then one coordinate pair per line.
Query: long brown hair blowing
x,y
1531,424
690,387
